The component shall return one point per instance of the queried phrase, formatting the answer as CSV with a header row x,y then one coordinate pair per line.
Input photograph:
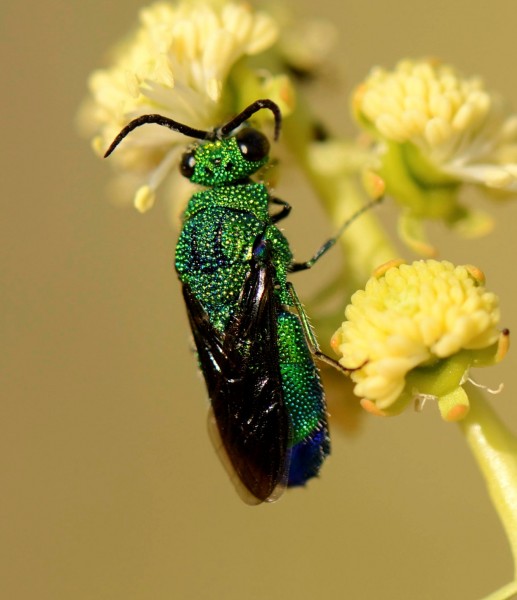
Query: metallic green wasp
x,y
254,344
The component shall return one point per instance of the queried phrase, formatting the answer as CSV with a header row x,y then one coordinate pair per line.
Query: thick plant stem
x,y
495,449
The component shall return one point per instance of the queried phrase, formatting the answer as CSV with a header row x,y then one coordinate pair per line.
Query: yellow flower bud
x,y
415,331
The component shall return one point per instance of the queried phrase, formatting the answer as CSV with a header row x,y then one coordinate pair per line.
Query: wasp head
x,y
226,160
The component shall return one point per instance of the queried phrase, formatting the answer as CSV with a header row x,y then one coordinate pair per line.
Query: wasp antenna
x,y
158,120
251,110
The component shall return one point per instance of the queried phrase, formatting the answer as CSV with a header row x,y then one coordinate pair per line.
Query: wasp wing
x,y
242,373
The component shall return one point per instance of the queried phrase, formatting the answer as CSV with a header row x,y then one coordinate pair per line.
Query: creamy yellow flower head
x,y
436,131
415,331
178,64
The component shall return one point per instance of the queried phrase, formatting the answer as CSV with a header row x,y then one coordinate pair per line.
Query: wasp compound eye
x,y
252,144
188,164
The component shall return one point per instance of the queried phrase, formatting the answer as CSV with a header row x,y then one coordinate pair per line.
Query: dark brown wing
x,y
244,384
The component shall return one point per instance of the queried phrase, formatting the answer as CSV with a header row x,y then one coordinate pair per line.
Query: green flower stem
x,y
433,199
365,245
495,449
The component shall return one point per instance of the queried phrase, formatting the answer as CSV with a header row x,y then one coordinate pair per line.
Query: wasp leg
x,y
312,342
302,266
286,209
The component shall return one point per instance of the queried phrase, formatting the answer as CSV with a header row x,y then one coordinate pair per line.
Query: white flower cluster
x,y
460,128
176,64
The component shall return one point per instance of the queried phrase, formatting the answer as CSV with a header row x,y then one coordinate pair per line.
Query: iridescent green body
x,y
251,334
213,254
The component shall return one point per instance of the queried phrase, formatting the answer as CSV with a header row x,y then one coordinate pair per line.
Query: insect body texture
x,y
265,391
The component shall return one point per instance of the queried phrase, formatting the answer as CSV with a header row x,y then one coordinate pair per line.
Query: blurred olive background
x,y
110,488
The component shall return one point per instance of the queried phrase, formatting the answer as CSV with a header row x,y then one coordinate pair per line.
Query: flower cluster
x,y
437,130
415,331
434,131
179,63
